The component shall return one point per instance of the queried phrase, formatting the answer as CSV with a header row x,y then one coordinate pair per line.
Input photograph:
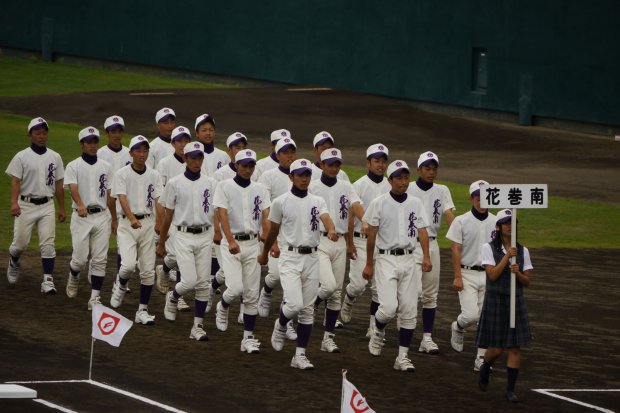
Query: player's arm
x,y
369,269
75,195
165,228
60,196
329,227
112,208
456,248
122,198
272,235
217,233
358,211
233,246
424,242
160,212
449,214
16,184
264,224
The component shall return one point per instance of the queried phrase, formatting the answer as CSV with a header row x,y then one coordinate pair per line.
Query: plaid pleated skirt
x,y
494,325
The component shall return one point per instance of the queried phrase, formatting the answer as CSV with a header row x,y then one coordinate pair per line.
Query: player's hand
x,y
135,223
352,252
512,252
427,266
364,229
514,268
368,272
114,226
457,284
275,250
81,210
161,249
233,247
262,258
62,215
217,236
16,210
332,235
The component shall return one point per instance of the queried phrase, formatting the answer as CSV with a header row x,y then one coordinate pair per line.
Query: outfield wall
x,y
552,58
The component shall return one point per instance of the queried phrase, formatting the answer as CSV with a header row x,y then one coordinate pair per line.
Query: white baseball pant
x,y
471,297
170,259
194,261
397,288
273,273
137,246
299,276
428,281
242,274
90,233
332,265
44,218
357,283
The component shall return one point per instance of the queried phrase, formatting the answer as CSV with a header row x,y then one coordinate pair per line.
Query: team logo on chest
x,y
436,214
149,196
219,165
102,179
344,207
314,220
412,229
51,174
205,200
256,211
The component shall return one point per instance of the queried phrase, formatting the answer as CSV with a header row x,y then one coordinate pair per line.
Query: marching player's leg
x,y
386,278
231,264
46,226
99,243
290,266
162,272
309,286
271,281
469,315
407,309
481,288
251,285
357,283
80,228
22,231
337,265
127,240
146,263
430,290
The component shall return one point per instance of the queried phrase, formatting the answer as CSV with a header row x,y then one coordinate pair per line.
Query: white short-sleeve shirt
x,y
225,172
265,164
192,201
214,161
169,167
141,190
487,258
93,181
317,171
158,150
398,222
38,173
299,219
367,190
436,201
244,206
339,198
276,182
471,233
117,159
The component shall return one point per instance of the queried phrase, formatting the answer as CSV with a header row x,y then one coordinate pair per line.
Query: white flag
x,y
352,399
109,326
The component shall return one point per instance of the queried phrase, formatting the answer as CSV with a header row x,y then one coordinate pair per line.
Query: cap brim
x,y
377,155
428,162
398,172
39,126
137,145
331,161
301,171
322,141
247,161
236,141
205,120
285,147
89,138
504,220
195,154
164,118
114,126
475,193
179,137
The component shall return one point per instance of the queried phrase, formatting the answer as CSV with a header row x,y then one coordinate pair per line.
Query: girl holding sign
x,y
494,330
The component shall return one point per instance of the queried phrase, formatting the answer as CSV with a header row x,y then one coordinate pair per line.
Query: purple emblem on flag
x,y
102,179
149,196
412,229
314,220
344,207
51,174
436,214
205,200
256,212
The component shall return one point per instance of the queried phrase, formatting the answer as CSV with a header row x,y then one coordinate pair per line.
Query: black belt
x,y
139,216
36,201
396,251
303,250
360,235
94,210
194,230
326,233
245,237
474,267
429,238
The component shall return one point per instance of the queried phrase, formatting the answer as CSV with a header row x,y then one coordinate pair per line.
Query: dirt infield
x,y
572,302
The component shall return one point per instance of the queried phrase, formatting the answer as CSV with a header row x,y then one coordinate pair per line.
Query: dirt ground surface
x,y
572,301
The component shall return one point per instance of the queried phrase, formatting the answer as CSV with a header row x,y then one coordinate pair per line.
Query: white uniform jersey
x,y
472,234
117,159
243,205
214,161
276,182
487,258
169,167
93,181
436,201
158,150
298,218
265,164
192,201
367,190
38,173
141,190
339,198
225,172
398,222
317,171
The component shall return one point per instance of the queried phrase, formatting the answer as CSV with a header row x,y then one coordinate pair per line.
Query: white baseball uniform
x,y
265,164
317,171
214,161
92,232
117,159
225,172
395,270
158,150
168,168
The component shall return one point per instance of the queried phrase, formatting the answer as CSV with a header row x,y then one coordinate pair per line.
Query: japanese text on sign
x,y
514,196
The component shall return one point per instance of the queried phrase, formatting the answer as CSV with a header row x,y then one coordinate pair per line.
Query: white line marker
x,y
151,93
54,406
46,381
550,392
309,89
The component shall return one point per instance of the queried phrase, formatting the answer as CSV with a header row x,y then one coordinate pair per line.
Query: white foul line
x,y
549,392
54,406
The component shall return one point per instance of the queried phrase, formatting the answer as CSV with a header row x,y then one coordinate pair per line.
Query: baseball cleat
x,y
182,306
369,332
240,316
264,303
278,336
118,293
338,324
403,363
329,345
291,334
198,333
376,343
347,309
250,345
47,286
170,308
72,286
301,362
143,317
12,272
456,340
221,317
93,302
161,279
428,346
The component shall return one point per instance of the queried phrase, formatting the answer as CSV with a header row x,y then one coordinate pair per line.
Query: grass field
x,y
567,223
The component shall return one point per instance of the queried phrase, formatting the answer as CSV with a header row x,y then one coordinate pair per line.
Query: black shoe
x,y
512,397
483,378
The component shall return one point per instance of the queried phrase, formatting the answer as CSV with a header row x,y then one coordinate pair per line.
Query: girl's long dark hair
x,y
496,242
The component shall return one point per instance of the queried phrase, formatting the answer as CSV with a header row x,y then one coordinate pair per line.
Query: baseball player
x,y
468,233
323,140
340,198
37,175
87,179
243,207
271,161
437,202
188,202
205,133
368,187
395,221
494,331
165,121
295,217
168,168
137,187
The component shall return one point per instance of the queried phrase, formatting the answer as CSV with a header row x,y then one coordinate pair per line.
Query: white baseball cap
x,y
137,141
377,150
475,187
321,137
88,133
276,135
245,157
178,132
37,122
284,144
300,166
112,121
236,138
504,215
426,158
204,118
329,156
193,149
164,113
396,167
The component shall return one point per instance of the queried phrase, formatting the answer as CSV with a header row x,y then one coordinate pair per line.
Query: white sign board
x,y
514,196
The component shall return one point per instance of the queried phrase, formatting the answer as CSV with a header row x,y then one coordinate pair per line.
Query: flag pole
x,y
513,282
344,376
90,368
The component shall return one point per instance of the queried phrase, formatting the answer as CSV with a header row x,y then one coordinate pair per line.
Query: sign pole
x,y
513,277
90,368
